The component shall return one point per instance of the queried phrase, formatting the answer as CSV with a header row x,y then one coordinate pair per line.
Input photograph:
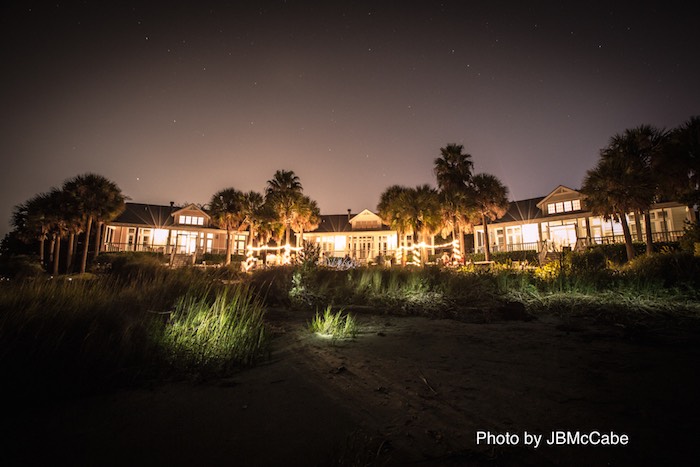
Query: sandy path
x,y
407,390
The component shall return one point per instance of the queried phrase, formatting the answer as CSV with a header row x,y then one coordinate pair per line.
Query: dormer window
x,y
192,220
564,206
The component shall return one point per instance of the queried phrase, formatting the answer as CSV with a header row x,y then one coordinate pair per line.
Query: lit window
x,y
200,221
567,206
576,204
559,207
550,208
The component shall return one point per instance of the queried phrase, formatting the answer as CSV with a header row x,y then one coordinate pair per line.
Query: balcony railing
x,y
656,237
525,246
113,247
671,236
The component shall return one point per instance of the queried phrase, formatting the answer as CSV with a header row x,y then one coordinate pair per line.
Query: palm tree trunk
x,y
628,237
83,264
462,248
404,242
56,255
650,237
286,235
487,246
228,248
98,240
69,259
638,224
251,233
41,250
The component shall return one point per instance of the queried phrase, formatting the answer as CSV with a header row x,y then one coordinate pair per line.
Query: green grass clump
x,y
212,335
82,333
337,326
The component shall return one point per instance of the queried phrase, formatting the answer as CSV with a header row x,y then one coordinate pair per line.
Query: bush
x,y
505,257
213,258
131,265
691,237
586,262
273,284
667,270
20,267
617,253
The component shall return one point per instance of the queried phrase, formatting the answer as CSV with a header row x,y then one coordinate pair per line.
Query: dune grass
x,y
134,324
215,331
335,325
107,331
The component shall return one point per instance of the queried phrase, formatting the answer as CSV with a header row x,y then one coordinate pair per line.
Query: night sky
x,y
174,104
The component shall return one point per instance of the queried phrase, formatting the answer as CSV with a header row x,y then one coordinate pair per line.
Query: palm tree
x,y
252,204
631,182
270,225
282,192
98,200
453,170
679,164
604,188
31,221
306,217
490,199
415,210
59,219
391,209
74,226
422,210
226,210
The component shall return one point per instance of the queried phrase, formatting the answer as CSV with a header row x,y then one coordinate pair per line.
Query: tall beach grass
x,y
106,331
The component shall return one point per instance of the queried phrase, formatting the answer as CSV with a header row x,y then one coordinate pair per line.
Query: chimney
x,y
349,214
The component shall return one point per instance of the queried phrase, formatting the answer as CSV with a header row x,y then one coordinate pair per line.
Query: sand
x,y
405,391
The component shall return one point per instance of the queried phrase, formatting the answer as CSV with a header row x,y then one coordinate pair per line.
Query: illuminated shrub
x,y
211,335
337,326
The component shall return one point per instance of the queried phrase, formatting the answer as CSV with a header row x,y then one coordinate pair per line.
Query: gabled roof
x,y
522,211
334,223
146,214
191,207
366,213
343,223
557,192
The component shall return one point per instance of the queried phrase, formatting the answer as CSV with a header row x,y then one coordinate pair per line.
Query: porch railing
x,y
581,243
113,247
526,246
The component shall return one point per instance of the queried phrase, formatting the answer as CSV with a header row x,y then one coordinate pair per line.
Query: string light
x,y
412,252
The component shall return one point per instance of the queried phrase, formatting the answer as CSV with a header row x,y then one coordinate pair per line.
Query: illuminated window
x,y
565,206
192,220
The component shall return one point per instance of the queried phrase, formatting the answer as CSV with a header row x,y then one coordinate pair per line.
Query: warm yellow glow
x,y
456,251
160,236
530,233
339,242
